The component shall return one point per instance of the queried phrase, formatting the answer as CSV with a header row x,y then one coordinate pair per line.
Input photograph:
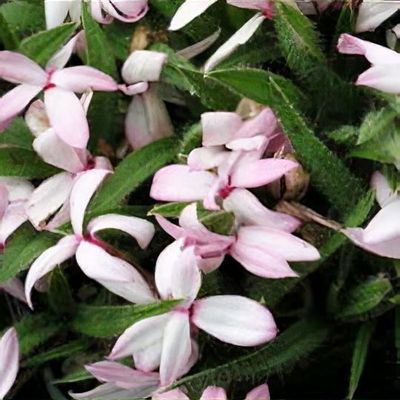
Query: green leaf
x,y
34,330
24,164
24,247
168,210
364,297
76,376
345,135
107,321
60,296
191,139
292,345
221,222
360,352
328,173
18,135
136,168
41,46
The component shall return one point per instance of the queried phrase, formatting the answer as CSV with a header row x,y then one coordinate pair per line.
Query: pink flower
x,y
372,13
384,74
382,234
262,250
59,86
9,358
120,382
240,168
15,288
104,11
214,393
114,273
147,119
165,341
48,206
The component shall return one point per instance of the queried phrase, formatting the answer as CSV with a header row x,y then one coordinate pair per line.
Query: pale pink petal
x,y
82,78
384,225
261,172
371,15
49,260
61,58
15,288
47,198
14,101
175,394
384,193
17,68
259,393
138,228
9,359
199,47
3,200
382,77
204,158
376,54
188,11
55,151
390,248
136,88
83,190
56,12
97,12
248,144
264,123
177,275
74,131
173,230
219,128
260,5
214,393
147,119
249,210
176,347
143,66
13,218
179,183
140,336
148,359
102,163
18,188
241,37
277,242
36,118
208,265
123,376
235,320
126,10
115,274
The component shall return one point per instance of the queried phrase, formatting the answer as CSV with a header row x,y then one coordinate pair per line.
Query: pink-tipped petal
x,y
384,193
259,393
47,198
179,183
49,260
126,10
140,336
249,210
56,12
15,288
219,128
175,394
382,77
260,5
375,54
61,58
9,360
138,228
370,16
235,320
204,158
173,230
177,275
82,78
17,68
82,191
14,101
241,37
13,218
115,274
176,347
188,11
264,123
214,393
260,173
74,131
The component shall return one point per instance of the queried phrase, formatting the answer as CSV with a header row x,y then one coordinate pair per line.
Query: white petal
x,y
9,358
14,216
384,193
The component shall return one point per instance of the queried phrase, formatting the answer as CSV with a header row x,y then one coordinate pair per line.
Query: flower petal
x,y
18,188
188,11
13,218
204,158
82,191
140,336
15,288
370,16
3,200
9,359
48,197
214,393
382,77
173,230
140,229
235,320
259,393
82,78
241,37
49,260
115,274
56,12
176,347
220,127
199,47
179,183
126,10
175,394
249,210
14,101
61,58
36,118
384,193
74,131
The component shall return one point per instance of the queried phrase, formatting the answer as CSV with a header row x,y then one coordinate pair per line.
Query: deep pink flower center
x,y
225,191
